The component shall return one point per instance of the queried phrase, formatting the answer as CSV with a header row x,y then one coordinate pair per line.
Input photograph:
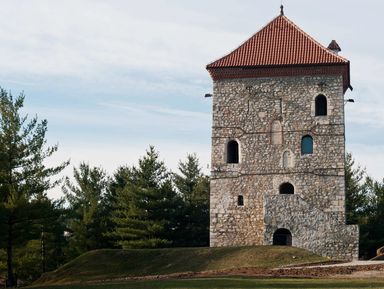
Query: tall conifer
x,y
23,174
144,206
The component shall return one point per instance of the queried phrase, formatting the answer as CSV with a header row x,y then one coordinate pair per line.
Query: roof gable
x,y
279,43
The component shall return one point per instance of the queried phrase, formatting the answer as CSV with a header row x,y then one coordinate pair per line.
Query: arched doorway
x,y
286,189
282,237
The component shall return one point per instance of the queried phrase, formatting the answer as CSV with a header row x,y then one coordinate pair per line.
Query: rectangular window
x,y
240,200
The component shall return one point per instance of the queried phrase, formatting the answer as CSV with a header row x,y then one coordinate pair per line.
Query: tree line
x,y
142,206
364,203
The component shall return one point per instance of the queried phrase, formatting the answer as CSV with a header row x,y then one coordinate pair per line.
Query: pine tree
x,y
371,226
44,249
193,187
23,174
355,199
86,206
144,207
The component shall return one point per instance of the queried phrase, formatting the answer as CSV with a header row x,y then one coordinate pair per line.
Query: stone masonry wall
x,y
244,110
319,232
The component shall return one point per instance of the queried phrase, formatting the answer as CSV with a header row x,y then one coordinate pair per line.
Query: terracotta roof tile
x,y
279,43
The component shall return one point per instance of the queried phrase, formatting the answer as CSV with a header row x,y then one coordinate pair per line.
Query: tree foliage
x,y
193,216
87,220
23,174
355,197
365,207
371,225
144,206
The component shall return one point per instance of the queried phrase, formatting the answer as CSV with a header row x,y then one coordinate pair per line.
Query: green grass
x,y
233,283
112,264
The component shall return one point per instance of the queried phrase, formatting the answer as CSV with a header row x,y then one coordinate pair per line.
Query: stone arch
x,y
232,152
282,237
276,133
321,105
286,189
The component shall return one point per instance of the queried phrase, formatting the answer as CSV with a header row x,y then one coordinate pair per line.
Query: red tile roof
x,y
279,43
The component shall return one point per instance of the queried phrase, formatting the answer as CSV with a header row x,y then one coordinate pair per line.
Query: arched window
x,y
282,237
307,145
287,189
320,105
232,152
240,200
277,137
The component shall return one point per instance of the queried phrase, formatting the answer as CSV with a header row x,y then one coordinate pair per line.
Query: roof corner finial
x,y
282,9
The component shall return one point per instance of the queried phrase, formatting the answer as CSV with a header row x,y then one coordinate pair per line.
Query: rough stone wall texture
x,y
319,232
248,110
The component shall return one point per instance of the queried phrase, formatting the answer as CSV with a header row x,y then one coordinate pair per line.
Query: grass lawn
x,y
112,264
233,283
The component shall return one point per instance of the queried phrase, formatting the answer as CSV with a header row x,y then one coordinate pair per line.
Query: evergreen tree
x,y
193,187
355,198
88,220
49,228
23,174
44,250
145,205
371,227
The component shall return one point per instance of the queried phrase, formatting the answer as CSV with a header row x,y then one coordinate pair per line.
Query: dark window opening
x,y
282,237
240,200
320,105
306,145
287,189
233,152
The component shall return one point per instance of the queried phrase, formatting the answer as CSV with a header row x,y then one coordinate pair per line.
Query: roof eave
x,y
208,67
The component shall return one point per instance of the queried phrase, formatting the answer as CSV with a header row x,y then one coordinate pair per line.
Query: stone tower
x,y
278,144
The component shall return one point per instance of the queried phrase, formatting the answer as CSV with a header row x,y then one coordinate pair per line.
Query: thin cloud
x,y
157,110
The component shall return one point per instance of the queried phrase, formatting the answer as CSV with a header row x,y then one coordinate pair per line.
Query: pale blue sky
x,y
113,77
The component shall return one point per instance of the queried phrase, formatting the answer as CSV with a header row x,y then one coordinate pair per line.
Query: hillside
x,y
113,264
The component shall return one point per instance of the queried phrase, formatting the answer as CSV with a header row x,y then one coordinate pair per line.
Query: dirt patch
x,y
303,272
375,274
366,271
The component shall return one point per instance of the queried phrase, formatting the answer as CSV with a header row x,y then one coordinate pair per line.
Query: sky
x,y
113,77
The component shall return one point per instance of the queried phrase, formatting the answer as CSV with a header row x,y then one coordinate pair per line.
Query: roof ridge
x,y
313,39
247,40
267,47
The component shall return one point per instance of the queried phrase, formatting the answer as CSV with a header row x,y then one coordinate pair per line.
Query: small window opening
x,y
287,189
232,152
240,200
282,237
306,145
320,105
